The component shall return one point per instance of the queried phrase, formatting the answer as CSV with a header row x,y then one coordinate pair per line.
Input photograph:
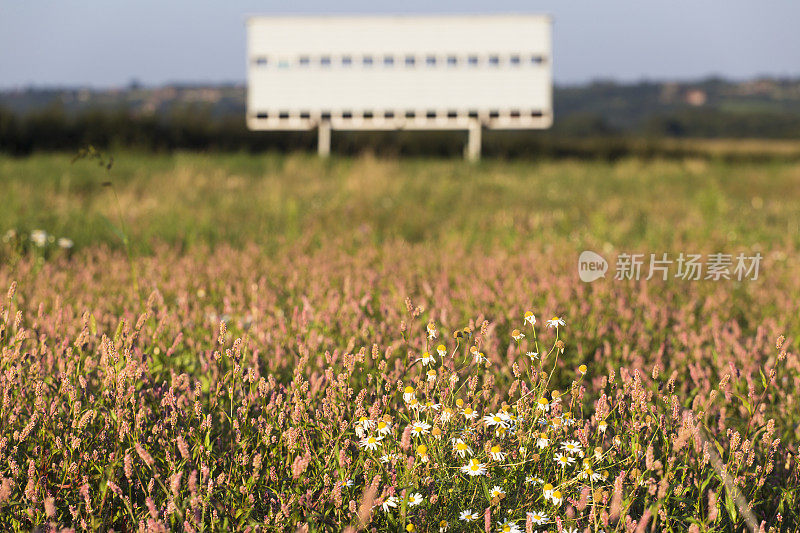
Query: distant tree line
x,y
194,127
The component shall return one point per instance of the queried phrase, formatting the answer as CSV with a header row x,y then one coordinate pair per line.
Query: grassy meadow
x,y
281,343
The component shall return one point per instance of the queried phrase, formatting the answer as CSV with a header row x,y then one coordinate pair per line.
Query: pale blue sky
x,y
106,43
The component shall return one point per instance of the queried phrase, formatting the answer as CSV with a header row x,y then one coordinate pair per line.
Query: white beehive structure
x,y
399,72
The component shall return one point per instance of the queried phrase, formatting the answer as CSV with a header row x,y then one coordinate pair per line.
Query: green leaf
x,y
486,490
730,506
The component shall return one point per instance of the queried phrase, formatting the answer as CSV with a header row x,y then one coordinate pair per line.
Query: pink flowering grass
x,y
231,397
365,359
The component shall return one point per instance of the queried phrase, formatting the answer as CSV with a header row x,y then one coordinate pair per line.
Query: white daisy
x,y
497,419
441,350
517,334
538,518
384,427
533,355
508,527
474,468
542,441
469,413
408,394
500,432
362,426
543,405
496,492
371,442
563,459
573,447
556,498
530,318
447,414
588,473
420,428
427,359
468,516
433,406
497,453
555,322
365,423
414,499
432,333
461,448
39,237
602,426
547,490
390,502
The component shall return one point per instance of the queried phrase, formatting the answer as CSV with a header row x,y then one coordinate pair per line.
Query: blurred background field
x,y
185,199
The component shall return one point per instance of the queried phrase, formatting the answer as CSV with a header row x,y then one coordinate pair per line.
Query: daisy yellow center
x,y
543,401
371,440
381,425
467,411
548,486
497,418
556,494
422,449
461,446
495,449
409,390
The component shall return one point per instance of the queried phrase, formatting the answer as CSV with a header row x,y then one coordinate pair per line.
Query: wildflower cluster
x,y
117,429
